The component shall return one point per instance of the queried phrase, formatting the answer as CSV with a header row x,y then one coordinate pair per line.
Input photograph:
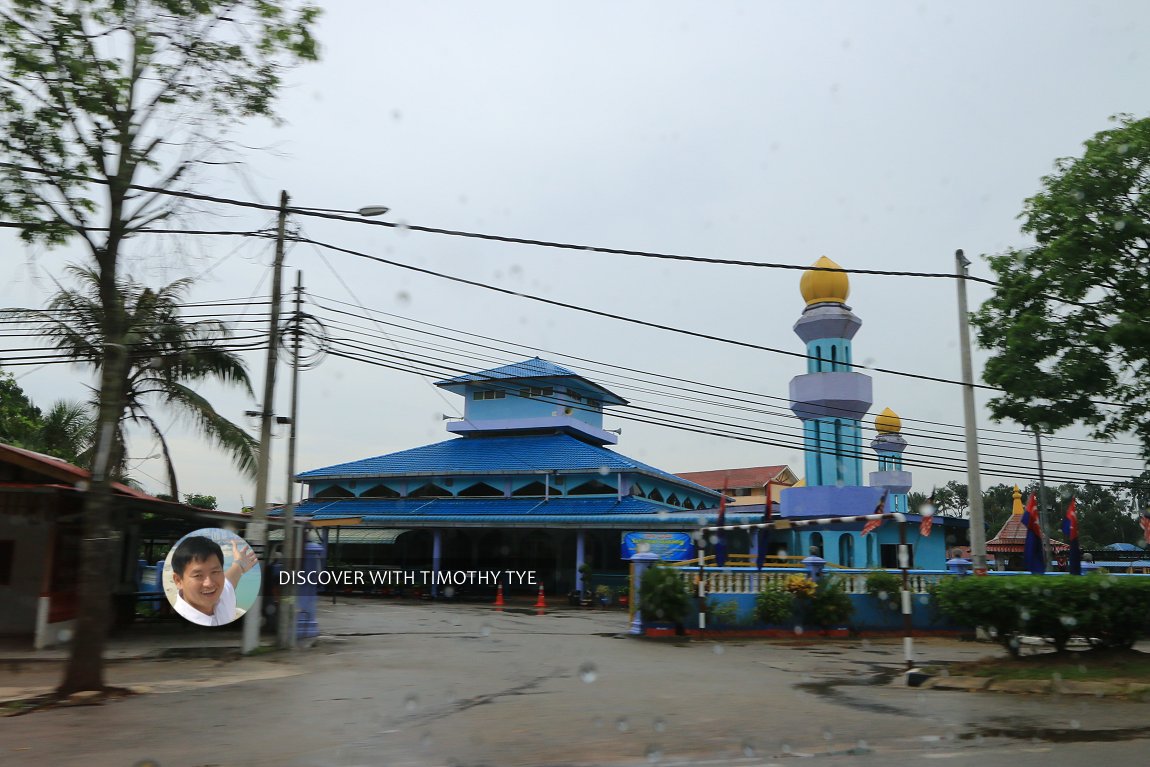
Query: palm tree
x,y
167,357
66,431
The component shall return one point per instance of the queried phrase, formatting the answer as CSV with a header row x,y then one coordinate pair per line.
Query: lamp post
x,y
973,484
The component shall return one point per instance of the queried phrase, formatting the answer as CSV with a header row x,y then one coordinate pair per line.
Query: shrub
x,y
801,586
663,596
1106,611
884,585
830,605
774,604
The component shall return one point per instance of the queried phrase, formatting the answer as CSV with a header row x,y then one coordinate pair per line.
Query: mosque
x,y
529,479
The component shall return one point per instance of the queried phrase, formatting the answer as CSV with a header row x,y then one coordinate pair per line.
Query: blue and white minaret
x,y
831,399
889,445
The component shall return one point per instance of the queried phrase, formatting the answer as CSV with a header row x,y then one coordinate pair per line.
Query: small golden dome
x,y
888,422
1016,509
820,287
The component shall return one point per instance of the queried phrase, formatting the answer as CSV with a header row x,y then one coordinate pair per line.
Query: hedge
x,y
1104,610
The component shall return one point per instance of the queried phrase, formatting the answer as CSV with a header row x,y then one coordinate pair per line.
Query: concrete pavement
x,y
428,684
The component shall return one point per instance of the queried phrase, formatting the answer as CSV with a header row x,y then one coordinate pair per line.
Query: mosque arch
x,y
536,488
379,491
430,490
847,550
817,540
480,490
592,487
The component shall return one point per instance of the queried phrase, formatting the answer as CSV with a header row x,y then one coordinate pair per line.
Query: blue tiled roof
x,y
524,454
519,511
536,367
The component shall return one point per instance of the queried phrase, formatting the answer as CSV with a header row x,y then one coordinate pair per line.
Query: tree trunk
x,y
99,546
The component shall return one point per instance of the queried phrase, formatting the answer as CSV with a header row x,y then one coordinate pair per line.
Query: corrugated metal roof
x,y
536,367
513,510
754,476
522,454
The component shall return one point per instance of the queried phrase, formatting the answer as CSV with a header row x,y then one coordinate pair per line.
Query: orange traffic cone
x,y
499,596
540,603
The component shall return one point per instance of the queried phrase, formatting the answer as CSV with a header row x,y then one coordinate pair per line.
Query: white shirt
x,y
224,613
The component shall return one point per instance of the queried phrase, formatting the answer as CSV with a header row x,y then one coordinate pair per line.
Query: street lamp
x,y
373,210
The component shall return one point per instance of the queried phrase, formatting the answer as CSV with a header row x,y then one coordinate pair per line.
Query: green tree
x,y
66,431
951,499
1068,324
200,501
105,107
167,358
19,418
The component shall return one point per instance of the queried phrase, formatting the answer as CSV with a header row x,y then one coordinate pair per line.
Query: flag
x,y
927,517
873,525
1032,557
1070,530
1144,520
721,537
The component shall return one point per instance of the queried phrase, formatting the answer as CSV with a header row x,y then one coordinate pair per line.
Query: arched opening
x,y
430,490
655,495
592,487
816,541
847,550
535,488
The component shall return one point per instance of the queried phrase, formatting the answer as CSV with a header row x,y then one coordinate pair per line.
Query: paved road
x,y
420,684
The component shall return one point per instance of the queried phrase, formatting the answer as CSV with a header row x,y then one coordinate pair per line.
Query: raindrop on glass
x,y
411,702
485,630
654,754
660,724
622,725
588,673
718,649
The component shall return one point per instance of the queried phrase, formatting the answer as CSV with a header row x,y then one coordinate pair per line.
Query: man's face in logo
x,y
202,583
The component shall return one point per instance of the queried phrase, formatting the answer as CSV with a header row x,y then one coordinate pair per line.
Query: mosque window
x,y
655,495
488,394
847,550
574,395
839,465
888,556
673,499
537,391
430,490
379,491
334,491
834,358
535,488
481,490
688,504
592,487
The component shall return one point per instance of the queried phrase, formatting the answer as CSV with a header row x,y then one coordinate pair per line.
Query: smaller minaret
x,y
890,445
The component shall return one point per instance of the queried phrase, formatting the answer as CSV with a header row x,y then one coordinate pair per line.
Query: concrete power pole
x,y
292,549
257,532
973,480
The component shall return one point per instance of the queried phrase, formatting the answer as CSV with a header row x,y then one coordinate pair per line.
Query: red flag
x,y
1145,522
1030,518
873,525
1070,530
927,517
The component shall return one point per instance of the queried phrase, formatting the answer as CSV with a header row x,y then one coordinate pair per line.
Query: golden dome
x,y
820,287
887,422
1016,509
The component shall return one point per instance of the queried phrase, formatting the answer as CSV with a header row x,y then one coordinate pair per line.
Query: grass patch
x,y
1083,665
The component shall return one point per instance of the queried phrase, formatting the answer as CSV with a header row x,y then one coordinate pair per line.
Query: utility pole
x,y
973,481
287,613
1043,517
257,532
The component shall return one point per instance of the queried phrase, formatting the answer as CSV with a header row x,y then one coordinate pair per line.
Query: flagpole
x,y
1042,515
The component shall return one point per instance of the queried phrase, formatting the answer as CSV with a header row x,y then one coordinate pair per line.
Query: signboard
x,y
669,547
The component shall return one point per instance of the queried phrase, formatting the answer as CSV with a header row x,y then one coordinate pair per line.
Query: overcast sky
x,y
882,135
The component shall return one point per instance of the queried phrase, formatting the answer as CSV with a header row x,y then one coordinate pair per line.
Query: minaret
x,y
889,445
830,399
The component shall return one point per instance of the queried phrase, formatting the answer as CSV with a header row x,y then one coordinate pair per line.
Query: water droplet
x,y
718,649
411,702
654,754
1075,724
883,595
1119,225
485,630
604,470
64,635
588,673
798,630
449,592
827,736
403,297
748,750
597,721
401,227
622,725
425,740
660,724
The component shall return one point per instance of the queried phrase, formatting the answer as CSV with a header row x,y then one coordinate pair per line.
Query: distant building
x,y
745,486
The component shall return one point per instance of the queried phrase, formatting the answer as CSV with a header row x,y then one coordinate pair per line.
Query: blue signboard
x,y
669,547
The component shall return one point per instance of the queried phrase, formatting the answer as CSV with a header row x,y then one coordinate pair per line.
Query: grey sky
x,y
881,135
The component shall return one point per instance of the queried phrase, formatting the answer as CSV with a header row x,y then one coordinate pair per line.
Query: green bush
x,y
774,604
830,606
663,596
884,585
1105,610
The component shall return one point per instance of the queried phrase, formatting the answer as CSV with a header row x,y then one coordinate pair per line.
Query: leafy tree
x,y
997,506
663,597
105,107
19,418
167,357
1069,322
66,431
200,501
951,499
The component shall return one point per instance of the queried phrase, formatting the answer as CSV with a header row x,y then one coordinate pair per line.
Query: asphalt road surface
x,y
401,683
